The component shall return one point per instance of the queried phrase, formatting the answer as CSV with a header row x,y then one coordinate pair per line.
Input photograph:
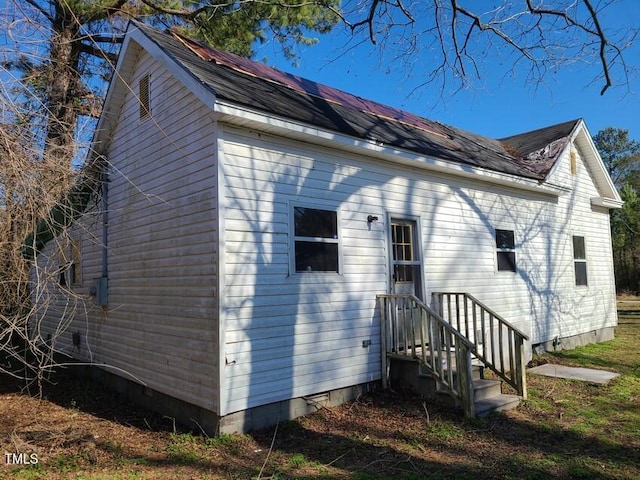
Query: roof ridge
x,y
296,83
246,82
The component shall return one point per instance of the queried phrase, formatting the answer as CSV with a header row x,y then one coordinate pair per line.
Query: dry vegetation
x,y
566,429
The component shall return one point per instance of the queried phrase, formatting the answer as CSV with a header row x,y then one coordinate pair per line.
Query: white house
x,y
250,218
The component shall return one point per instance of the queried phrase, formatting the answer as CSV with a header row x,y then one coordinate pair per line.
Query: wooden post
x,y
520,366
465,380
383,342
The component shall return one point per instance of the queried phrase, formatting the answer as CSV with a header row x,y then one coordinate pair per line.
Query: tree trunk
x,y
64,87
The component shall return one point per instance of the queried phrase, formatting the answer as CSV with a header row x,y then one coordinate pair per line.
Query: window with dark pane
x,y
311,222
402,239
316,240
506,254
403,273
580,260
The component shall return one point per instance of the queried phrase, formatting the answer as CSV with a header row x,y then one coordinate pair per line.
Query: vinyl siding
x,y
161,323
61,311
292,334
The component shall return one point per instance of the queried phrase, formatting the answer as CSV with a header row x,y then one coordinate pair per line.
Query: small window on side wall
x,y
506,253
315,240
70,261
580,261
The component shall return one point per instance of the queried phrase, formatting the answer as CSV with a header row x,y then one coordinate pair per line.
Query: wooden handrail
x,y
410,328
496,342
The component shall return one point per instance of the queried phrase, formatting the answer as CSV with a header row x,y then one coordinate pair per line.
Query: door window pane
x,y
402,239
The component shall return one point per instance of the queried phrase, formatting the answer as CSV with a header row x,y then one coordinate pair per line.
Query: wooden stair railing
x,y
495,342
409,328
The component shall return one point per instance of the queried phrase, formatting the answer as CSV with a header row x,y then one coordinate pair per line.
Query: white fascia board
x,y
606,202
242,116
591,155
117,86
205,94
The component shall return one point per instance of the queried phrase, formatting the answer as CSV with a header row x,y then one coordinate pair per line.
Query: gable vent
x,y
573,161
143,96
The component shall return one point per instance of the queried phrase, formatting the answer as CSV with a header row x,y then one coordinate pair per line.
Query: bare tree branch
x,y
603,46
184,13
477,22
545,37
37,6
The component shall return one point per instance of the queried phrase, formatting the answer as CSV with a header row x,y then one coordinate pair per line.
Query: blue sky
x,y
500,103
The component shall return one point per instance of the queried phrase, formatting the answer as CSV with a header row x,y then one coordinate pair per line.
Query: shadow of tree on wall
x,y
543,229
285,313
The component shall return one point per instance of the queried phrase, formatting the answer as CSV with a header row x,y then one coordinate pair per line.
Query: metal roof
x,y
263,88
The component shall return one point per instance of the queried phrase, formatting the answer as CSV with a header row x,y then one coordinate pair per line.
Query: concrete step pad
x,y
499,403
483,389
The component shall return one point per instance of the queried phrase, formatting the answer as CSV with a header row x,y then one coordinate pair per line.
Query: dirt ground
x,y
78,430
566,429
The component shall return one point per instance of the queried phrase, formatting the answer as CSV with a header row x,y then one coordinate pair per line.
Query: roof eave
x,y
605,202
607,189
135,41
241,115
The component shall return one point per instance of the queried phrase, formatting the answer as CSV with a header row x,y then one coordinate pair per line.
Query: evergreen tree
x,y
82,38
621,156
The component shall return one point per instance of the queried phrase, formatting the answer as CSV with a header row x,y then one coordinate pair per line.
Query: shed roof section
x,y
259,87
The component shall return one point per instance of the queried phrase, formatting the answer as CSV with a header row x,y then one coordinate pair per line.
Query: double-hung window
x,y
580,261
506,250
316,243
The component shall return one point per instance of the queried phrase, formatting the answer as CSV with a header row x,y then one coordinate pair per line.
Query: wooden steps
x,y
488,397
407,372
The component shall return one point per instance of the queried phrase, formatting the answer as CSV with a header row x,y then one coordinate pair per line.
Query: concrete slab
x,y
600,377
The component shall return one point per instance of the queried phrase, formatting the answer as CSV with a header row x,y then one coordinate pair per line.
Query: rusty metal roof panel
x,y
266,89
305,86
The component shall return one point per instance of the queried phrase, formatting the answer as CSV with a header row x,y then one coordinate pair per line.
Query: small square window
x,y
506,254
315,240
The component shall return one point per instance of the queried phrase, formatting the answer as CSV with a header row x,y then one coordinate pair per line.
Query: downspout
x,y
105,225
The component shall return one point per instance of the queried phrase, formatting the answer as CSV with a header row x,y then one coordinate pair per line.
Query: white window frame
x,y
580,260
294,238
498,250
